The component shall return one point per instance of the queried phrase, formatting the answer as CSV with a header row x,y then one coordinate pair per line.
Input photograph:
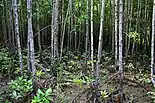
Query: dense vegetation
x,y
77,51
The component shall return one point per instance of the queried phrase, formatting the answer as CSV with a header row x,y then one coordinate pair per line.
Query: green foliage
x,y
152,95
67,78
135,36
6,101
39,73
78,81
20,88
75,80
104,94
74,65
44,9
81,19
6,62
48,97
73,70
147,80
43,97
82,80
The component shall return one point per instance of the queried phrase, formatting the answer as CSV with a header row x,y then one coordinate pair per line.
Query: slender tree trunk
x,y
130,23
116,32
145,36
52,30
38,30
54,27
17,34
63,34
80,32
120,41
30,40
75,23
139,31
100,41
113,24
71,20
92,38
152,45
126,25
62,5
87,30
68,43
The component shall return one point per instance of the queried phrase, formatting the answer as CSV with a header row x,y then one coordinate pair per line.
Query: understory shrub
x,y
48,97
6,62
20,88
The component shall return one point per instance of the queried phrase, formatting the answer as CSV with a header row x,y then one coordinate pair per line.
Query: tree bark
x,y
116,31
92,38
152,44
87,30
30,40
54,29
113,24
17,33
38,30
63,34
100,41
120,41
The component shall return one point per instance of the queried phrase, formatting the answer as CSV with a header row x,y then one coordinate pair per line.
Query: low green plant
x,y
152,95
82,80
39,73
43,97
135,36
6,62
20,88
5,101
104,94
48,97
78,81
74,66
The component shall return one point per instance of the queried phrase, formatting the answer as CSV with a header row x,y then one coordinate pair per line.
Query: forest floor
x,y
138,94
135,92
136,82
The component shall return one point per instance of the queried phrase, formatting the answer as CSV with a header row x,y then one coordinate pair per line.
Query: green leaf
x,y
40,92
48,92
104,94
147,80
14,93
